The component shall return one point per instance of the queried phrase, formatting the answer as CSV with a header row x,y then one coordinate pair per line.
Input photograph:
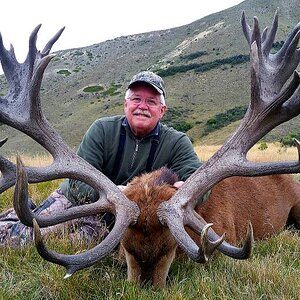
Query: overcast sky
x,y
93,21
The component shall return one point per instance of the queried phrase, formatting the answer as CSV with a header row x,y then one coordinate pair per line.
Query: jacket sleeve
x,y
184,161
91,149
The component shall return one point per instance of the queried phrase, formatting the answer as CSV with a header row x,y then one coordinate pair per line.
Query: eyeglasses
x,y
149,101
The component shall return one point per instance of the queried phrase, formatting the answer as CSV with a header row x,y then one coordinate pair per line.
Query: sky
x,y
94,21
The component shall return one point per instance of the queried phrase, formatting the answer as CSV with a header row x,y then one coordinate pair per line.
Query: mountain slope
x,y
83,84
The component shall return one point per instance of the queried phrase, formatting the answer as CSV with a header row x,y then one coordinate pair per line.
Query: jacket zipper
x,y
134,153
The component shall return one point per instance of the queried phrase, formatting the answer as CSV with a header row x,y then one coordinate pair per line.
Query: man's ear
x,y
125,105
163,110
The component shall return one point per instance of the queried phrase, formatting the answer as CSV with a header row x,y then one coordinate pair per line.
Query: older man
x,y
121,147
125,146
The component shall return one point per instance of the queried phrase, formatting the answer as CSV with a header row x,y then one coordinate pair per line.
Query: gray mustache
x,y
142,112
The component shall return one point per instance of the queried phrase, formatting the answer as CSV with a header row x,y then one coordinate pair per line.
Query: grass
x,y
273,272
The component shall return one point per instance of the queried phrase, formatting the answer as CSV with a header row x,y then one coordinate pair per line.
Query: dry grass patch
x,y
274,152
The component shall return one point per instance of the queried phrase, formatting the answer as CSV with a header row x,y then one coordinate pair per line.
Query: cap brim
x,y
150,83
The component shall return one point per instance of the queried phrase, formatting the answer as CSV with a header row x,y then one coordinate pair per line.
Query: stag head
x,y
274,100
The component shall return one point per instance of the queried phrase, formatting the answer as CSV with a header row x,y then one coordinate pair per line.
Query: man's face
x,y
143,109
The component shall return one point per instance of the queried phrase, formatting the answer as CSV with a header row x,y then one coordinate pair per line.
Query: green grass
x,y
273,272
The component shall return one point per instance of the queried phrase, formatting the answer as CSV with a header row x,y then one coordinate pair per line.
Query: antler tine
x,y
8,60
2,142
32,51
274,99
210,241
256,37
246,28
27,216
52,41
8,171
80,261
266,38
287,42
270,35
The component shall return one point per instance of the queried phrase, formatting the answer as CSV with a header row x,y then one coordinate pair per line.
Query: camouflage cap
x,y
151,78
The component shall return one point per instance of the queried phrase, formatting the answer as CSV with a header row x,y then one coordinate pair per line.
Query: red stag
x,y
155,221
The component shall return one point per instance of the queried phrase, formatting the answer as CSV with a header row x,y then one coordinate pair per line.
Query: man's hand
x,y
122,187
178,184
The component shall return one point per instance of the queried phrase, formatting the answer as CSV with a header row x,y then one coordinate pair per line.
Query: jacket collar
x,y
154,132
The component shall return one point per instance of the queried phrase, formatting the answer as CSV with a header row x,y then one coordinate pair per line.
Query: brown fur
x,y
150,248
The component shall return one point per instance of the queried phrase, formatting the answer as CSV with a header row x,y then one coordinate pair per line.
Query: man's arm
x,y
184,160
90,149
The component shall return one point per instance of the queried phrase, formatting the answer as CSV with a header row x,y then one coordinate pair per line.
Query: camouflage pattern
x,y
13,233
151,78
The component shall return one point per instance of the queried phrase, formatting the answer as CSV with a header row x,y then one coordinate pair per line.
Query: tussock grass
x,y
273,272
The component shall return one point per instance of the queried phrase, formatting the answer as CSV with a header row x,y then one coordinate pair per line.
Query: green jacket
x,y
100,144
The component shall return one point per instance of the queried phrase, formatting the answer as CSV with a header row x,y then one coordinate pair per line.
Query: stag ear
x,y
166,176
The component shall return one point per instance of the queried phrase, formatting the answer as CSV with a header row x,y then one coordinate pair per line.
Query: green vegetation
x,y
263,146
64,72
112,90
175,117
193,55
78,53
93,89
89,54
204,67
77,69
288,140
224,119
182,126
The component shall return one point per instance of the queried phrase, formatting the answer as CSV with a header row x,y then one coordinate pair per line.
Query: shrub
x,y
64,72
288,140
203,67
194,55
77,52
263,146
182,126
112,90
93,89
224,119
175,117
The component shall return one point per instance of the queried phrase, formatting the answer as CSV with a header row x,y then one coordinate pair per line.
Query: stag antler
x,y
275,99
21,109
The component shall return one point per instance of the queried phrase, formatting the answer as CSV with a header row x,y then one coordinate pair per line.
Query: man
x,y
121,147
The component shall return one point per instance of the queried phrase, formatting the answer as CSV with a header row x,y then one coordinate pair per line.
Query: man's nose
x,y
143,105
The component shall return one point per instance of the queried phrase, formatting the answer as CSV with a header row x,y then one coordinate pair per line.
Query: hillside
x,y
86,83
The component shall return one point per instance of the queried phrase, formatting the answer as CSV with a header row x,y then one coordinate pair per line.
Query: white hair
x,y
129,92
